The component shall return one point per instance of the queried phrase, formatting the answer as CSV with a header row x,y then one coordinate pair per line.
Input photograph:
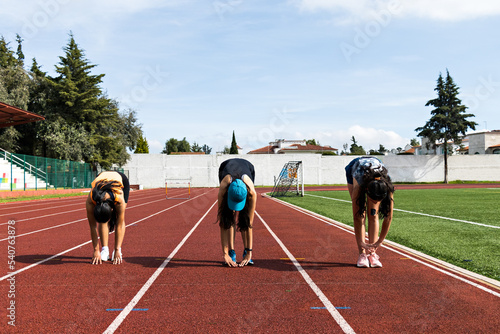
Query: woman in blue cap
x,y
237,200
371,191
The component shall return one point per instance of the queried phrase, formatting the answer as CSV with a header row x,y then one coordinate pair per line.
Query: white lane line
x,y
415,213
75,221
87,242
76,210
462,271
123,314
329,306
45,229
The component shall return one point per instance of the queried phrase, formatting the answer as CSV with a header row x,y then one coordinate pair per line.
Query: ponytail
x,y
104,210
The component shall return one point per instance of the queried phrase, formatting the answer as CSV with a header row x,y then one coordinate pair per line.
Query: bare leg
x,y
103,233
373,222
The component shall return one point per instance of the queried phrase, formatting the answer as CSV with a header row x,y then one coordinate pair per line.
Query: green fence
x,y
23,172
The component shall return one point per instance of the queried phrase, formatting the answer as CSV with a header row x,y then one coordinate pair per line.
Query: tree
x,y
129,129
345,147
414,142
14,83
142,145
205,148
173,145
311,142
356,149
381,150
196,148
77,98
448,121
234,146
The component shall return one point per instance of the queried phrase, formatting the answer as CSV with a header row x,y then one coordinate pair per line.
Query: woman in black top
x,y
237,200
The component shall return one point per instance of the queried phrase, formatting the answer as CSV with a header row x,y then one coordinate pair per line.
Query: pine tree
x,y
142,145
448,122
79,96
234,146
78,104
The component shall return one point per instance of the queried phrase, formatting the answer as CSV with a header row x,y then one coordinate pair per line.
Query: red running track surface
x,y
173,280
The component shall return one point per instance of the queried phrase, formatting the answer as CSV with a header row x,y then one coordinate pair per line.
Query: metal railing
x,y
43,173
21,163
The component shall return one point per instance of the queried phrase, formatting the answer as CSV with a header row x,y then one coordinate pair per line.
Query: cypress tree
x,y
234,147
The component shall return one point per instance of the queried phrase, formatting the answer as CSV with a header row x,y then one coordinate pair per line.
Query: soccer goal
x,y
179,188
290,180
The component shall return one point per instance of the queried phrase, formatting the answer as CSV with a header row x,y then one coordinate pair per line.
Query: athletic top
x,y
236,168
356,168
117,191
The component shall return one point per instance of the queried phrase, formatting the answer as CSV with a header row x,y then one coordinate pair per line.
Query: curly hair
x,y
378,186
104,210
225,215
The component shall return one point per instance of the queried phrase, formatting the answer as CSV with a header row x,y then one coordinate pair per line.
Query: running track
x,y
304,279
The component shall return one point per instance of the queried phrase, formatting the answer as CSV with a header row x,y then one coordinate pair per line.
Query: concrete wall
x,y
151,170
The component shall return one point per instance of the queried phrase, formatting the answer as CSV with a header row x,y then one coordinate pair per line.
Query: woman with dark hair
x,y
237,200
371,191
106,205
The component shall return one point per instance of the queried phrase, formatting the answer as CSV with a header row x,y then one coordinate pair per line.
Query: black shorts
x,y
126,186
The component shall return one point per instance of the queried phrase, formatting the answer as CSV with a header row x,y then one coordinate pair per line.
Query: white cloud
x,y
441,10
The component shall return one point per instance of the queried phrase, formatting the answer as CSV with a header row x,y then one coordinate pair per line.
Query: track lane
x,y
84,298
404,296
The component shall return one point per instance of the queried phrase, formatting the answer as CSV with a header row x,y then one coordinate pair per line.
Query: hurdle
x,y
178,183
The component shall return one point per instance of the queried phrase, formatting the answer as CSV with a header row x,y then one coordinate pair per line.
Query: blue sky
x,y
292,69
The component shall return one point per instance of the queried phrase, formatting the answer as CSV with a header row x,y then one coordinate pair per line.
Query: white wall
x,y
151,170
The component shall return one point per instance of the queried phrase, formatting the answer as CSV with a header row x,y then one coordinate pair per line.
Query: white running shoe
x,y
105,254
363,261
374,261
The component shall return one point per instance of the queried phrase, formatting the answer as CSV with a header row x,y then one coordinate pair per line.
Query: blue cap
x,y
237,195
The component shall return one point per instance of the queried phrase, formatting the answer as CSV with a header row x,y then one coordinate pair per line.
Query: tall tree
x,y
142,145
234,147
78,100
355,148
14,83
79,95
448,122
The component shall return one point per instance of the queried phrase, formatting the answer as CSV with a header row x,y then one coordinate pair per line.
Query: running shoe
x,y
105,254
232,254
374,261
250,263
363,261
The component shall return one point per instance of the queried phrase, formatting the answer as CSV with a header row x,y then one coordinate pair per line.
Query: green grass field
x,y
473,247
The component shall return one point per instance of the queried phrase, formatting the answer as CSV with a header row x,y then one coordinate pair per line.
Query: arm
x,y
120,230
96,258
